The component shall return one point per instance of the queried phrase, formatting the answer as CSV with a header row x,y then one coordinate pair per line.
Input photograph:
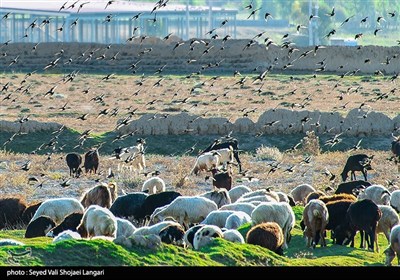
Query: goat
x,y
396,150
359,162
74,161
230,142
91,163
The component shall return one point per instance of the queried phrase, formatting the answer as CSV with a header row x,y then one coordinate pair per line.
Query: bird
x,y
332,13
81,6
83,117
109,3
65,183
5,17
253,12
26,166
356,146
267,15
346,20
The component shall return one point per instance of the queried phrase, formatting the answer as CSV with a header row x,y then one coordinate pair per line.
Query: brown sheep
x,y
268,235
11,209
314,195
29,211
336,197
103,195
315,217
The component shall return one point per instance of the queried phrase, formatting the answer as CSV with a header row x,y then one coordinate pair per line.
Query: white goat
x,y
153,185
206,162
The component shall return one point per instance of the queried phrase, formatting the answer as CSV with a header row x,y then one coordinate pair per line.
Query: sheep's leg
x,y
362,243
376,242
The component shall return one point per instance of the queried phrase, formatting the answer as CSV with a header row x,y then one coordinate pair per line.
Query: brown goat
x,y
268,235
315,217
335,197
103,195
222,179
11,209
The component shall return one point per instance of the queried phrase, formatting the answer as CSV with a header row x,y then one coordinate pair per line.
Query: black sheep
x,y
154,201
71,222
172,234
359,162
129,205
39,227
362,215
74,161
232,142
29,212
91,163
350,187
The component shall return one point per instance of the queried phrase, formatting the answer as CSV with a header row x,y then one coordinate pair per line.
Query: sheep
x,y
266,192
205,162
66,235
91,162
39,227
377,193
154,229
172,234
237,219
11,209
395,148
283,197
29,212
394,247
395,200
74,161
236,192
220,197
129,206
154,201
153,185
343,196
217,218
388,220
337,213
268,235
258,198
71,222
279,212
228,143
133,155
362,215
189,235
150,241
124,227
314,195
58,208
206,235
300,192
352,186
185,209
97,221
10,242
316,217
233,235
103,195
221,179
245,207
358,162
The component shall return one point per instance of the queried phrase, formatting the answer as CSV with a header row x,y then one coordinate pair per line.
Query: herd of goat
x,y
155,215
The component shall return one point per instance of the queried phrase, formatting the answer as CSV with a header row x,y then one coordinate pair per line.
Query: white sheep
x,y
394,247
236,192
206,235
185,209
154,229
206,162
278,212
388,220
124,227
245,207
217,218
98,221
300,193
10,242
377,193
58,208
233,235
66,235
258,198
189,235
395,200
315,217
219,196
283,197
273,195
237,219
153,185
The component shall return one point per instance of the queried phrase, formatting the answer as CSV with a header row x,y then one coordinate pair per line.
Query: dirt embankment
x,y
356,123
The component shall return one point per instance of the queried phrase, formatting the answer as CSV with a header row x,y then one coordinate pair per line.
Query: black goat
x,y
74,161
221,179
232,142
351,187
91,163
359,162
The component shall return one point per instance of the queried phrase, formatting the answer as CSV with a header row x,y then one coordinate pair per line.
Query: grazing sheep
x,y
233,235
342,196
377,193
220,197
185,209
358,162
153,185
268,235
245,207
58,208
205,162
66,235
173,234
151,241
222,179
258,198
97,221
217,218
129,206
71,222
352,186
314,195
394,248
283,197
362,215
124,228
395,200
300,193
154,201
29,211
103,195
279,212
154,229
388,220
74,161
189,235
11,209
206,235
316,217
39,227
271,194
10,242
231,143
91,163
236,192
337,213
237,219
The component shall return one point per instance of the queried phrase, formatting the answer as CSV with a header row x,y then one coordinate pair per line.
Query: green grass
x,y
219,253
